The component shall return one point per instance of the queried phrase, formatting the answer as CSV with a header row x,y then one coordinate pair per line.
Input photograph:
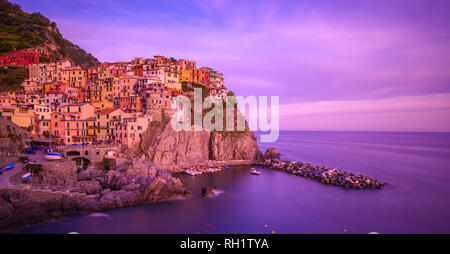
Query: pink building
x,y
57,127
129,130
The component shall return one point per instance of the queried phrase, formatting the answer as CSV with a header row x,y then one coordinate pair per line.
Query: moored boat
x,y
254,172
53,156
190,172
9,166
26,176
30,151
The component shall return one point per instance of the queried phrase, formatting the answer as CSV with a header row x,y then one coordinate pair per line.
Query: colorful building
x,y
22,57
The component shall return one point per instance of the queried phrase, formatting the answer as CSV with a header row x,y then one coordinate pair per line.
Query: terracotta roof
x,y
77,104
106,111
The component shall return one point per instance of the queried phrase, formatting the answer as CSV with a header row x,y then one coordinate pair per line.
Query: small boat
x,y
255,172
190,172
29,151
53,156
9,166
26,176
37,148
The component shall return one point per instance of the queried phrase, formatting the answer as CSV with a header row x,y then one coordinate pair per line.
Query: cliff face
x,y
165,147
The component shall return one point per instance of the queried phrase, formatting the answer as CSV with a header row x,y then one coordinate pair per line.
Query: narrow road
x,y
18,169
4,178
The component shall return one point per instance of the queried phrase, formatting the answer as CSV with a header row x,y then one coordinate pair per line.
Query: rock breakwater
x,y
321,174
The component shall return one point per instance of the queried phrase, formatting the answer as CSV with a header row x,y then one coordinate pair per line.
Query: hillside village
x,y
107,103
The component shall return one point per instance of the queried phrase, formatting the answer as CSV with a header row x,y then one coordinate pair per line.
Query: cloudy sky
x,y
335,65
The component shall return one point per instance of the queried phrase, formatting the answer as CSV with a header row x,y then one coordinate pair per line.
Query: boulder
x,y
121,182
271,154
210,191
91,173
90,187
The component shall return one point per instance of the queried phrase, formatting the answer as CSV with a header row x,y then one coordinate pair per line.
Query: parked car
x,y
24,159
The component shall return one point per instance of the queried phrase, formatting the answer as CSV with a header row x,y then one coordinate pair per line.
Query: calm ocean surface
x,y
416,199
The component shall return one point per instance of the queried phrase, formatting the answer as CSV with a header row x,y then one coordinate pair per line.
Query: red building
x,y
22,57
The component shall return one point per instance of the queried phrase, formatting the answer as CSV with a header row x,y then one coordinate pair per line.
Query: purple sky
x,y
336,65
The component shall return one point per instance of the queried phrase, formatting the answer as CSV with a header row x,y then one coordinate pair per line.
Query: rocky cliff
x,y
163,146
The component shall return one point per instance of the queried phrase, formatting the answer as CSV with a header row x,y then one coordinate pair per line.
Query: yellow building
x,y
172,78
105,120
75,77
102,94
92,130
23,116
138,60
186,76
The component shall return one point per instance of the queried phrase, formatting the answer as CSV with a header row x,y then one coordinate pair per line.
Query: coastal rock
x,y
131,187
163,146
109,164
121,182
183,147
227,146
141,167
210,191
28,207
91,173
110,179
90,187
271,154
6,209
96,190
58,175
321,174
